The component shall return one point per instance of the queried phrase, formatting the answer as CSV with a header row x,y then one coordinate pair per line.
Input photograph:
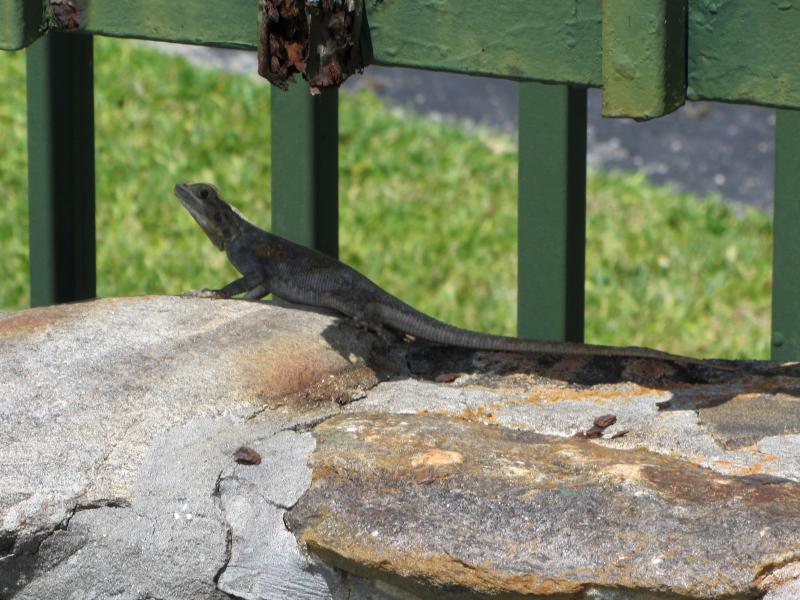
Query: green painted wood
x,y
20,21
231,23
745,51
552,40
737,50
552,212
61,169
786,254
305,164
644,57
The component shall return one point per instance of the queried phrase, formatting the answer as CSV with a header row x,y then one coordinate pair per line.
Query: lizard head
x,y
215,216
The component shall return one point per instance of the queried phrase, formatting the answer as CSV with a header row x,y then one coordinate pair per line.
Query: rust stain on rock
x,y
485,413
434,463
599,394
300,372
37,319
517,513
784,570
415,574
436,457
679,482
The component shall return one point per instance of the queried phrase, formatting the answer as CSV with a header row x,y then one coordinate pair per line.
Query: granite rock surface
x,y
161,447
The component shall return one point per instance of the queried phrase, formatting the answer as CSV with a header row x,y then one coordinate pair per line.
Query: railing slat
x,y
552,211
305,160
786,256
737,51
61,169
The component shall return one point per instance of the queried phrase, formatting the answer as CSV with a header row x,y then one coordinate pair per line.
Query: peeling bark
x,y
317,39
69,15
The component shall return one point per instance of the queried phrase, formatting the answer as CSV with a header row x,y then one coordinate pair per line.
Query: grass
x,y
427,211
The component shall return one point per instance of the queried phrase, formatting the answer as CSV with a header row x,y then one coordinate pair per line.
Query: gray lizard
x,y
271,264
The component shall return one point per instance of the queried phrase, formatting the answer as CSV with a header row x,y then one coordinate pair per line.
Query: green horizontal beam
x,y
737,50
230,23
545,40
745,51
20,21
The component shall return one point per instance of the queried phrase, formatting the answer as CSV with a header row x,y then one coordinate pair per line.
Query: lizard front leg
x,y
234,288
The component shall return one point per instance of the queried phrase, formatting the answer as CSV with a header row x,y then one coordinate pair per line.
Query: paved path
x,y
702,147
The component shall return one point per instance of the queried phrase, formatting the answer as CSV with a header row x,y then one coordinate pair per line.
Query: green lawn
x,y
427,211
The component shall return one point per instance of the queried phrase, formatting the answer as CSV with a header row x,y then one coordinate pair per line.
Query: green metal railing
x,y
649,56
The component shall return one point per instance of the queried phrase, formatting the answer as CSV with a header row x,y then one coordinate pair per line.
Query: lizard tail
x,y
406,319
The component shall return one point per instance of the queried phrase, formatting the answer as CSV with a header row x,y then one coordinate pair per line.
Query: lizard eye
x,y
203,194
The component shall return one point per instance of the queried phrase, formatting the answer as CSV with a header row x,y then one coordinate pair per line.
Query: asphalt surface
x,y
703,147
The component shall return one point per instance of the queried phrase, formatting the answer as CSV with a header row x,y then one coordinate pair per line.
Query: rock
x,y
452,504
132,431
119,423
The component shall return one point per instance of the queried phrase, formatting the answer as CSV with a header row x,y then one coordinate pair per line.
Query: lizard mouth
x,y
184,194
199,211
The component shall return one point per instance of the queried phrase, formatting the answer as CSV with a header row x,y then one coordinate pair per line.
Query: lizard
x,y
271,264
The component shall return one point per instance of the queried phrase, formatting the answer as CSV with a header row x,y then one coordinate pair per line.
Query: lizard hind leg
x,y
369,322
257,292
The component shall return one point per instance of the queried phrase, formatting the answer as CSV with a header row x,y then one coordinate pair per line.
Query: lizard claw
x,y
204,293
385,335
375,327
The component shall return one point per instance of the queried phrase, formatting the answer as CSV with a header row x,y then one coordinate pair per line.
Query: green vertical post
x,y
786,253
305,164
552,212
61,168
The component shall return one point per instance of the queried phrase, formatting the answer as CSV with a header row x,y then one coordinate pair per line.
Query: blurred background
x,y
679,224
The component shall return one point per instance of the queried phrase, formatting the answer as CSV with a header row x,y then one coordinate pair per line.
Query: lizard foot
x,y
386,336
204,293
383,334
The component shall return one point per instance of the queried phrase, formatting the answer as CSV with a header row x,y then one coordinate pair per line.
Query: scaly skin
x,y
271,264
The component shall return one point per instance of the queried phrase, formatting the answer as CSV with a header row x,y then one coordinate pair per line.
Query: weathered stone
x,y
437,505
456,477
783,583
747,418
118,421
